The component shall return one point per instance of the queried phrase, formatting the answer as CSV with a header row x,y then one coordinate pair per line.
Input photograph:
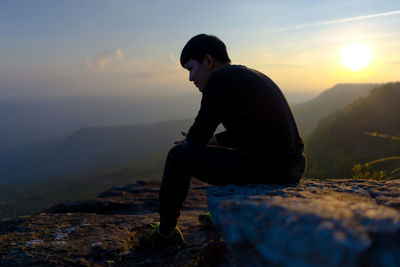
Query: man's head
x,y
202,55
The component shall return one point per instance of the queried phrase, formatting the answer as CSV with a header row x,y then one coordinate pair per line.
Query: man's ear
x,y
210,61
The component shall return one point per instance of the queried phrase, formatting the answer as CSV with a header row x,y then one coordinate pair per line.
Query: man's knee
x,y
178,152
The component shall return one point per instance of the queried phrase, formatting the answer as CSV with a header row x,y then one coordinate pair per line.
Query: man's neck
x,y
219,65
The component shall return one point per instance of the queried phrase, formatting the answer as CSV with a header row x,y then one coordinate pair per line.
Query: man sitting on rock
x,y
261,143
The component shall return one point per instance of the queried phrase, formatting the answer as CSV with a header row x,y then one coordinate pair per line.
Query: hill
x,y
83,164
87,150
309,113
26,120
347,137
93,159
34,196
100,148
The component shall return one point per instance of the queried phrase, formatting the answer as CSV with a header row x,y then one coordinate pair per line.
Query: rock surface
x,y
104,232
314,223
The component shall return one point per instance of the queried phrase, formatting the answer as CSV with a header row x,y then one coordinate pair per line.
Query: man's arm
x,y
226,139
203,128
208,117
212,142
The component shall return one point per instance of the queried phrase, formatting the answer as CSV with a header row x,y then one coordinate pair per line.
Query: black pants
x,y
219,166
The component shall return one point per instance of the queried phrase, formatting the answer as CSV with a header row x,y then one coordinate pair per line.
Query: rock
x,y
104,231
314,223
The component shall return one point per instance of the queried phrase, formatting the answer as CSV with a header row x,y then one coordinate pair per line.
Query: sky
x,y
86,47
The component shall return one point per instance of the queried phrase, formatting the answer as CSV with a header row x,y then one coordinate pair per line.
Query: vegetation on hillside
x,y
92,149
339,142
308,114
27,198
383,168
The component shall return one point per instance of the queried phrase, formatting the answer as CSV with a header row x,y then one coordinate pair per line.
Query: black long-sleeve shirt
x,y
253,110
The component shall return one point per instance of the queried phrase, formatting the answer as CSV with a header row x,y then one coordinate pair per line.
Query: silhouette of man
x,y
261,143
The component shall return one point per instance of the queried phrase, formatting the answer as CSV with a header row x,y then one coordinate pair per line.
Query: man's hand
x,y
181,141
212,142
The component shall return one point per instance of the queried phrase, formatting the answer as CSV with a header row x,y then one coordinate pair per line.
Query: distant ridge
x,y
101,148
309,113
341,139
87,150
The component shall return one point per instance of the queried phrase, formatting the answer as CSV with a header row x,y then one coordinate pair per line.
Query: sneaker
x,y
206,219
156,241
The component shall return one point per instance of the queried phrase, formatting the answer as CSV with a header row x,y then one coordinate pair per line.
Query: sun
x,y
355,57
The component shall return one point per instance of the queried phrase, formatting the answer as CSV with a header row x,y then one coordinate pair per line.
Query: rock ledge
x,y
104,231
314,223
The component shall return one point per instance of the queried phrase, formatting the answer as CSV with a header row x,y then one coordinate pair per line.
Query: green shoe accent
x,y
206,219
157,241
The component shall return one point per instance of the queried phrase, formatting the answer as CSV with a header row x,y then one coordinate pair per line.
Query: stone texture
x,y
104,231
314,223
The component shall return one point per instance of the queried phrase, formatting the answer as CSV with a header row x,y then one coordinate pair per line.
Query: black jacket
x,y
253,110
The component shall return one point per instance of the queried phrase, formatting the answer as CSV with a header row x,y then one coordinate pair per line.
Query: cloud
x,y
172,60
158,65
330,22
157,71
103,58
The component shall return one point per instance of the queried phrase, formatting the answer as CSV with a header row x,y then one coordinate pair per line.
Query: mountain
x,y
309,113
92,159
26,120
366,130
99,148
88,150
33,196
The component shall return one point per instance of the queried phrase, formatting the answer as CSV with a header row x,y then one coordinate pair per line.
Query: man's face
x,y
199,72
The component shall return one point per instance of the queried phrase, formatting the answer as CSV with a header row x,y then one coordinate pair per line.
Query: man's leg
x,y
214,165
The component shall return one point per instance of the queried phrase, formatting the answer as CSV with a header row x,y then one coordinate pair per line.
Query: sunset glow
x,y
67,48
356,57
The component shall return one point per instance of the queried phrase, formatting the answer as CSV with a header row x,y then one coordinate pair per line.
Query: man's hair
x,y
201,45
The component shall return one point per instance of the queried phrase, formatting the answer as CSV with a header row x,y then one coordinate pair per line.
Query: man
x,y
261,143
